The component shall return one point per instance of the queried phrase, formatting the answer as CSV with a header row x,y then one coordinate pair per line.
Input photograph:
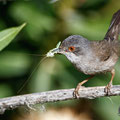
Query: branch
x,y
53,96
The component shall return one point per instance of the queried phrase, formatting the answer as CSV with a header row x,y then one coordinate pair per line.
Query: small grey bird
x,y
94,57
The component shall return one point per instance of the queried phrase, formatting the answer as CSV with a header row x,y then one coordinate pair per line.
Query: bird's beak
x,y
56,50
52,52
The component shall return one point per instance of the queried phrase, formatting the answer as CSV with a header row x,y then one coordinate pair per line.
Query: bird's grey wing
x,y
114,28
101,49
116,47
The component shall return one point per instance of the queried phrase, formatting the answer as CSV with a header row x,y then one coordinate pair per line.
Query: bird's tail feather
x,y
114,29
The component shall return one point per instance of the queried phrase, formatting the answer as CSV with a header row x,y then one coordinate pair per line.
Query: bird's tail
x,y
114,29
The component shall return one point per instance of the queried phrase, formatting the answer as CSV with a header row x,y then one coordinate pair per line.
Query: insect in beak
x,y
54,51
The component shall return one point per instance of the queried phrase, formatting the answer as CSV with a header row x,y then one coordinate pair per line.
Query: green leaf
x,y
6,36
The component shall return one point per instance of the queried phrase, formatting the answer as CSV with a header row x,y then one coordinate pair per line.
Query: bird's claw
x,y
107,89
76,94
76,91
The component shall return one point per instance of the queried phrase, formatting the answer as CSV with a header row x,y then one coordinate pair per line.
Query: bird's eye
x,y
71,48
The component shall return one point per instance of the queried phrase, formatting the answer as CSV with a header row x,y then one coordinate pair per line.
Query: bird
x,y
94,57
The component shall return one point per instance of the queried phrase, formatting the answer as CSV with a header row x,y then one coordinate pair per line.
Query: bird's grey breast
x,y
92,62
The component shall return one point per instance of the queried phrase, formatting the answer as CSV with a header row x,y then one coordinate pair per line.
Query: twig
x,y
53,96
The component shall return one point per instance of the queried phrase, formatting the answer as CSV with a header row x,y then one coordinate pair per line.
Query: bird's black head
x,y
73,47
74,44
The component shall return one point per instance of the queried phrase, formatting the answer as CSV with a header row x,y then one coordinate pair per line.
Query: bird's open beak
x,y
56,50
52,52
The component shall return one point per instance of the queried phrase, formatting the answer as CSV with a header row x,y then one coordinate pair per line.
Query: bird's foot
x,y
76,91
107,89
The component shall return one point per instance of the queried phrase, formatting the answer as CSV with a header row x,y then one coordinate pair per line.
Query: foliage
x,y
6,36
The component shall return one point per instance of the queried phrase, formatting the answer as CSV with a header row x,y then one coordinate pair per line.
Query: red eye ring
x,y
71,48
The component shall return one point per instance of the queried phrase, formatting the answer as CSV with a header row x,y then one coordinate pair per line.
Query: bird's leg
x,y
76,94
109,85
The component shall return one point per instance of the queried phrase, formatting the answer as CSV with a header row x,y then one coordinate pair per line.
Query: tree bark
x,y
54,96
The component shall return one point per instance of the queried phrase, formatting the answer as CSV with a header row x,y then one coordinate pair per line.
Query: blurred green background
x,y
48,22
